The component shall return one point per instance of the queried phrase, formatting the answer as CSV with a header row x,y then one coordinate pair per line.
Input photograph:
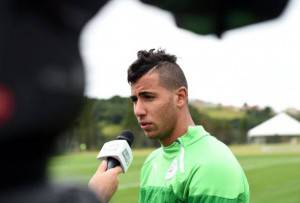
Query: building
x,y
280,128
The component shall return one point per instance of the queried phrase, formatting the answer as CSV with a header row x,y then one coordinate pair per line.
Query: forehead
x,y
148,82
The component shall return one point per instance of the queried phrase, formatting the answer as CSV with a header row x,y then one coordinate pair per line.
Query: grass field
x,y
273,172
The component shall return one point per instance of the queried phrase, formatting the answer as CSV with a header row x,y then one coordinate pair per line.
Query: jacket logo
x,y
171,172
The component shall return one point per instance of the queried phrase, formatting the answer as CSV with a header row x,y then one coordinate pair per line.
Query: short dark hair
x,y
171,75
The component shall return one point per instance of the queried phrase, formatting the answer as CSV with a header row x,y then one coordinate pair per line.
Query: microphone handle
x,y
112,162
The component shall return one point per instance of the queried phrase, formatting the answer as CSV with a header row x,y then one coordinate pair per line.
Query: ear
x,y
181,96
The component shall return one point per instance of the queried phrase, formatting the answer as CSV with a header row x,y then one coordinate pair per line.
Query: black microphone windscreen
x,y
126,135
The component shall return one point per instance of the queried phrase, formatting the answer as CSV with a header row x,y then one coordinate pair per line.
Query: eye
x,y
149,96
133,99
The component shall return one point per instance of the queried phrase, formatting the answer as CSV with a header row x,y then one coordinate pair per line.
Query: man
x,y
191,165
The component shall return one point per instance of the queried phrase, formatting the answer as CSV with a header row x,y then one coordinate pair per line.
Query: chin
x,y
150,135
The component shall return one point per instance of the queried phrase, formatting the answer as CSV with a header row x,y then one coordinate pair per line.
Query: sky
x,y
256,64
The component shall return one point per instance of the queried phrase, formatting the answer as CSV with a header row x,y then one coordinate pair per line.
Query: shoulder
x,y
213,158
153,155
210,149
216,171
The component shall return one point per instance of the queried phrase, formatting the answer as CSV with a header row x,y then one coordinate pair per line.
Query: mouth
x,y
145,125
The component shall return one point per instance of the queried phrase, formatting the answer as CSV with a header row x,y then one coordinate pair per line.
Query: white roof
x,y
281,124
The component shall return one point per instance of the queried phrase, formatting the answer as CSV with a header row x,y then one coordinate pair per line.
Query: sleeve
x,y
75,195
218,183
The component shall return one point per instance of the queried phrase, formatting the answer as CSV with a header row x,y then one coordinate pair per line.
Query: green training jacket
x,y
195,168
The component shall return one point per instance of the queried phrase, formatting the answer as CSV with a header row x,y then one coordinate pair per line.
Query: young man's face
x,y
154,106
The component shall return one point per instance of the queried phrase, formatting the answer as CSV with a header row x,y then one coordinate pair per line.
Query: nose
x,y
139,109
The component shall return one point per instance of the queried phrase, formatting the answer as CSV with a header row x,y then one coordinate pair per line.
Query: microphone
x,y
118,152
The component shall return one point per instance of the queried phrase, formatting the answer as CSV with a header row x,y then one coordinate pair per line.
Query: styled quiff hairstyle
x,y
170,74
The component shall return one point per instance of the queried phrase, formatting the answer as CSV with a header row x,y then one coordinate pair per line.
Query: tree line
x,y
102,120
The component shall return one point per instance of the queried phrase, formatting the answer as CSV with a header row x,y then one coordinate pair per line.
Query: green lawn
x,y
273,172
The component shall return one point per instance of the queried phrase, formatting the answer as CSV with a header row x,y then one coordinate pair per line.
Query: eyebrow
x,y
134,98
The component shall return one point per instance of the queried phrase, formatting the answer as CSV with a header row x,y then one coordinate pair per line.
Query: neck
x,y
180,129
